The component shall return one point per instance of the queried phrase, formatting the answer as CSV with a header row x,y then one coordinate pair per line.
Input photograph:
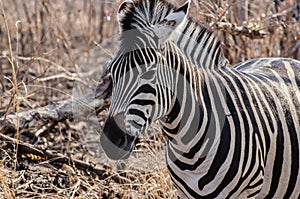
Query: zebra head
x,y
135,69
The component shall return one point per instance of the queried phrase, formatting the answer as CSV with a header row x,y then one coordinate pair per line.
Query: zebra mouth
x,y
116,143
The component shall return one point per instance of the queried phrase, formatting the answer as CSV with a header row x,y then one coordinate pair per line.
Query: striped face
x,y
144,25
134,93
133,103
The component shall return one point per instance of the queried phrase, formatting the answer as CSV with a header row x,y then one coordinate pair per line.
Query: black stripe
x,y
186,187
174,112
207,60
142,102
138,113
253,194
173,131
222,154
183,34
200,36
223,148
218,54
195,47
185,48
219,159
145,88
202,50
195,124
277,163
294,155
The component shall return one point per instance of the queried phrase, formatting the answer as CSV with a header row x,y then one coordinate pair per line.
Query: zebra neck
x,y
199,45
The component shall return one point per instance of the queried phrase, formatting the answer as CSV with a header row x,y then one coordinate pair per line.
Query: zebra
x,y
233,131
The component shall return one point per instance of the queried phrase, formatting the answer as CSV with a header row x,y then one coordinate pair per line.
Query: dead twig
x,y
27,150
5,187
14,97
252,31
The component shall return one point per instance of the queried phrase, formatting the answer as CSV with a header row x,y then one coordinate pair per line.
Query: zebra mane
x,y
143,13
198,43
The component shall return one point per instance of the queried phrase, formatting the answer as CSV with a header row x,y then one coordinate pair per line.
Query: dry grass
x,y
53,50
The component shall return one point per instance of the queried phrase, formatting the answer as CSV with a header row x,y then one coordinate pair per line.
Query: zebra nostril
x,y
117,144
119,120
122,143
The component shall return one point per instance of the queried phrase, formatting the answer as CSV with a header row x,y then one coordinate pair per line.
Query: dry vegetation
x,y
52,50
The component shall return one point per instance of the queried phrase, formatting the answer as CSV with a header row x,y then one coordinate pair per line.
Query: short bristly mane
x,y
198,44
143,13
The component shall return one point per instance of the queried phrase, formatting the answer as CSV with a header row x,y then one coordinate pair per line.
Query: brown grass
x,y
58,50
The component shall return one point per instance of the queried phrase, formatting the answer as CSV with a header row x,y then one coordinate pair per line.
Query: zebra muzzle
x,y
116,143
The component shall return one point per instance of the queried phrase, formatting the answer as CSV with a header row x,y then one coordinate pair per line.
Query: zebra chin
x,y
116,143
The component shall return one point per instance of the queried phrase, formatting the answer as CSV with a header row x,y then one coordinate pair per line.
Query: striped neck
x,y
199,45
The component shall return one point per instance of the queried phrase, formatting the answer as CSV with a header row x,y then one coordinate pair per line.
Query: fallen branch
x,y
59,111
252,31
27,150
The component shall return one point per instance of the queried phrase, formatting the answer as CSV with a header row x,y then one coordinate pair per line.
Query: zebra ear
x,y
178,15
124,6
167,24
123,10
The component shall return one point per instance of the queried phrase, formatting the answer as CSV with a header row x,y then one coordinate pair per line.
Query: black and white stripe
x,y
234,132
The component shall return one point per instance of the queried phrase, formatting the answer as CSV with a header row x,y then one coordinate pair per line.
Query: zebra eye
x,y
163,22
149,75
168,22
171,23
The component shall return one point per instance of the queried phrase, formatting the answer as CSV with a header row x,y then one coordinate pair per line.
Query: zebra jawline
x,y
116,143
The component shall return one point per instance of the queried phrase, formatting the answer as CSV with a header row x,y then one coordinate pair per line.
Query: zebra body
x,y
234,132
